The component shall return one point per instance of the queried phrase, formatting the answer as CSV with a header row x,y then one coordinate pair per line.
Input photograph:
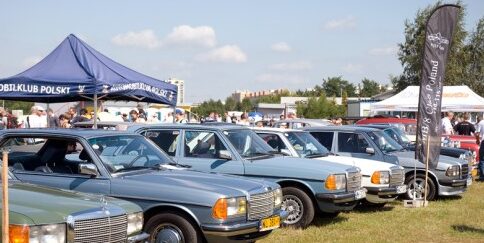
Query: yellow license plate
x,y
270,223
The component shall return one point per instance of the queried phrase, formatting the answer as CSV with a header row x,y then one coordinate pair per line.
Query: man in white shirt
x,y
447,128
36,118
480,130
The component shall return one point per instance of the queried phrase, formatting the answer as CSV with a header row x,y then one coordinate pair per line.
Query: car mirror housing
x,y
225,154
88,169
370,150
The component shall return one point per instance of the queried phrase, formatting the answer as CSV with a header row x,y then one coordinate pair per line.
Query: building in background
x,y
239,95
181,89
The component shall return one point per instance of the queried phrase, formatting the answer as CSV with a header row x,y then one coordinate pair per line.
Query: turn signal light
x,y
219,210
18,233
375,178
331,182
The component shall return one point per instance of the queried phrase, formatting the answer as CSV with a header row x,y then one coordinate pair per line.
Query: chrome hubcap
x,y
169,233
294,207
418,188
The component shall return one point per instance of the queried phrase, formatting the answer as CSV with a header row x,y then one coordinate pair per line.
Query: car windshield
x,y
306,145
384,142
248,144
402,135
129,152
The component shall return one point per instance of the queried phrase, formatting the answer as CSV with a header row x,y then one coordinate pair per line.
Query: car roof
x,y
377,126
274,129
209,126
348,128
386,120
81,132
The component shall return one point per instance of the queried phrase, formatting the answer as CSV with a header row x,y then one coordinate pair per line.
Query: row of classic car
x,y
196,183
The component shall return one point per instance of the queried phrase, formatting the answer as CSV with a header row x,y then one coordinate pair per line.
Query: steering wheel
x,y
131,163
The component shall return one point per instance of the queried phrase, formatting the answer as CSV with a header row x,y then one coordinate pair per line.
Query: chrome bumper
x,y
142,237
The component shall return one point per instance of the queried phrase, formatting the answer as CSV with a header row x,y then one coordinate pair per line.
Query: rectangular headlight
x,y
453,171
229,208
55,233
335,182
277,198
135,222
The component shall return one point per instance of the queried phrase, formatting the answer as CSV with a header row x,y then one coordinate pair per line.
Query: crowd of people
x,y
452,125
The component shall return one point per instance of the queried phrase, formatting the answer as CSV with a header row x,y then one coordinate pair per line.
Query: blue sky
x,y
221,46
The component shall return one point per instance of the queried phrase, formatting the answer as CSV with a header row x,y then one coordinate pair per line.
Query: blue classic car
x,y
179,205
308,187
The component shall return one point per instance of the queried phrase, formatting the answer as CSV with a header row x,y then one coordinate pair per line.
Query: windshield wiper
x,y
176,164
133,168
316,155
278,152
257,154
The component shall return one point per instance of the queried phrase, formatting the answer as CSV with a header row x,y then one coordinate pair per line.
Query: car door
x,y
202,150
326,139
355,145
54,162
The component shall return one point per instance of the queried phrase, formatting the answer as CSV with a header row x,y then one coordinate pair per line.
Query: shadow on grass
x,y
365,208
322,221
448,198
465,228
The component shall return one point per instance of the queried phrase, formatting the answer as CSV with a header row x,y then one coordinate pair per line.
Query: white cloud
x,y
186,35
145,38
30,61
384,51
353,68
227,53
294,66
280,79
348,22
281,47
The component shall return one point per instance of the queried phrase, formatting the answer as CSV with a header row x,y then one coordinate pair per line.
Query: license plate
x,y
469,181
360,194
401,189
270,223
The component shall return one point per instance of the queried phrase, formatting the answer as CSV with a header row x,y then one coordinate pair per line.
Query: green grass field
x,y
454,219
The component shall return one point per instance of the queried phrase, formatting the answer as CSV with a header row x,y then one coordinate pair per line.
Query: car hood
x,y
208,187
292,167
407,159
45,205
367,166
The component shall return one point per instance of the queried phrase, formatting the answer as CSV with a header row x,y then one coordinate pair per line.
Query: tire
x,y
299,206
431,188
171,228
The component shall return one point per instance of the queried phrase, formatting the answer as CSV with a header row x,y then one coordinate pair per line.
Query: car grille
x,y
353,182
261,205
102,230
465,171
397,177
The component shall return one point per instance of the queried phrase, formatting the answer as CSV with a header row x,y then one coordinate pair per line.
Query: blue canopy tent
x,y
74,71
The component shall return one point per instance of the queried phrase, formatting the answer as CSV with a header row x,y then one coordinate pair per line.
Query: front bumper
x,y
337,202
238,231
141,238
452,187
383,194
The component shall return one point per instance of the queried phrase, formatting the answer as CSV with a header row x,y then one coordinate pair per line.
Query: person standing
x,y
447,128
64,121
52,119
480,130
135,117
35,119
481,161
465,127
180,116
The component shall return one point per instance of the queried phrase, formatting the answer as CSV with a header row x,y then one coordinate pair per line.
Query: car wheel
x,y
419,187
299,206
171,228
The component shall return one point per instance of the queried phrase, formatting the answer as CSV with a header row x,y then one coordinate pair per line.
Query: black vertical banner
x,y
438,32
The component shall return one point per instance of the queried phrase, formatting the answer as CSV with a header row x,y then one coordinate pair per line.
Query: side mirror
x,y
224,154
370,150
87,169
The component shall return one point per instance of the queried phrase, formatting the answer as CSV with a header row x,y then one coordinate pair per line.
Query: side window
x,y
325,138
273,140
202,144
352,143
46,155
167,140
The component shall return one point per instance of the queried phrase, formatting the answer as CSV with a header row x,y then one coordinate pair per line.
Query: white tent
x,y
455,98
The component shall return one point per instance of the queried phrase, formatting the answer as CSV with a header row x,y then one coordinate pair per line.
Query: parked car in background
x,y
451,177
179,205
383,181
42,214
409,126
307,187
300,123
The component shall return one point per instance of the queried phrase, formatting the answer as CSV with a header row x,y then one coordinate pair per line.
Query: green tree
x,y
246,105
319,107
334,86
370,88
344,102
19,105
206,107
230,104
411,51
474,72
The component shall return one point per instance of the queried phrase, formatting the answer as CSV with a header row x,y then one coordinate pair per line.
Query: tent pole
x,y
174,113
95,111
5,208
